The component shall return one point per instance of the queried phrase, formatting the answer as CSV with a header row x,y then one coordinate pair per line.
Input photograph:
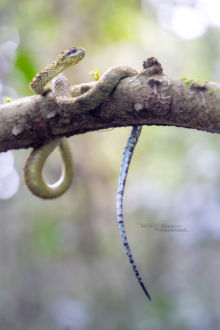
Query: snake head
x,y
71,56
68,57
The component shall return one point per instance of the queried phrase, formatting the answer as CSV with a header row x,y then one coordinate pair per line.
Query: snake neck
x,y
43,77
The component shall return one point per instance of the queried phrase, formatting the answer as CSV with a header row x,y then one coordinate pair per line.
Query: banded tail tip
x,y
145,291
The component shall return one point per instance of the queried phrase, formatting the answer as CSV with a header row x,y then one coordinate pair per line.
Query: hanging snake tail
x,y
126,159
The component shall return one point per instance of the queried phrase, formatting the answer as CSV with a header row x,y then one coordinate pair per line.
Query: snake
x,y
88,101
33,169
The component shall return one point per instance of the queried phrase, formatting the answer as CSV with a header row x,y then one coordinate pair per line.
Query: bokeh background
x,y
62,264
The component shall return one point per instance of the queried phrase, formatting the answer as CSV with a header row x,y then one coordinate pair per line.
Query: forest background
x,y
62,261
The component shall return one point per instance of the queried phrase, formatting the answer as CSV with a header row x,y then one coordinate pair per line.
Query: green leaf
x,y
24,63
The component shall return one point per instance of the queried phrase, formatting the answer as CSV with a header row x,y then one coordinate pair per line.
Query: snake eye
x,y
71,51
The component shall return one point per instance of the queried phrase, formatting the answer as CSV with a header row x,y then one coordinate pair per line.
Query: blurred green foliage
x,y
24,63
70,247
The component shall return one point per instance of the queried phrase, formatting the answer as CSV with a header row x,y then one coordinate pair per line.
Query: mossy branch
x,y
138,100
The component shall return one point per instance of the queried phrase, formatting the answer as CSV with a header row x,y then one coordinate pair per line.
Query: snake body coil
x,y
34,167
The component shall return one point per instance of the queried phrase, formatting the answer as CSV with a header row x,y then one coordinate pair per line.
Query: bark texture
x,y
138,100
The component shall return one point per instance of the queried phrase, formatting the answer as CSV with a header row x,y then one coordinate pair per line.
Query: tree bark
x,y
139,100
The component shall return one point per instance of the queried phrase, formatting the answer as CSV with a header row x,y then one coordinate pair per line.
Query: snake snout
x,y
82,51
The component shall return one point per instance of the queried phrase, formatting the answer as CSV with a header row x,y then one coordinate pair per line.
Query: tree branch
x,y
138,100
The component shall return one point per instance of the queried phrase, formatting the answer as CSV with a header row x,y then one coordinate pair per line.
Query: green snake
x,y
90,100
87,101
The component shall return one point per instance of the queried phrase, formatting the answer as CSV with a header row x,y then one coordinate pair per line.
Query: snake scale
x,y
87,101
